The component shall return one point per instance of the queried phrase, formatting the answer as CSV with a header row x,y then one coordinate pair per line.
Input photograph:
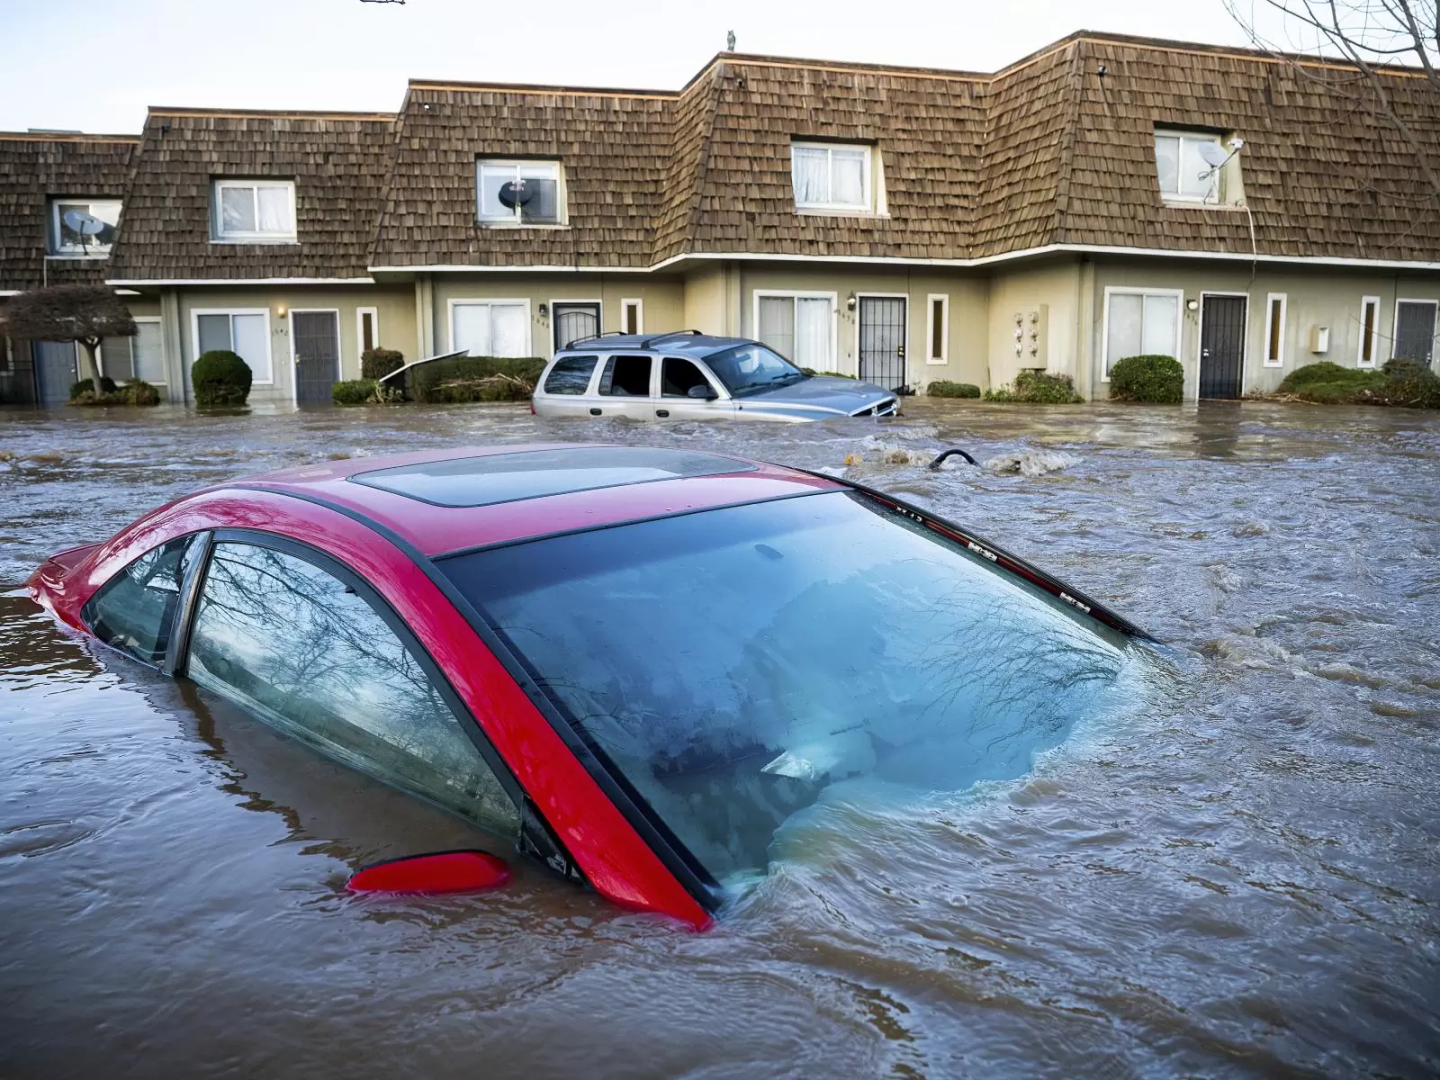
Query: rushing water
x,y
1239,876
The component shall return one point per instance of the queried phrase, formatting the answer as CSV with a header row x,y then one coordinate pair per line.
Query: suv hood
x,y
822,394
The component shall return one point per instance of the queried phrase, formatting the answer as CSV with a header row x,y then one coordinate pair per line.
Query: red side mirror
x,y
439,872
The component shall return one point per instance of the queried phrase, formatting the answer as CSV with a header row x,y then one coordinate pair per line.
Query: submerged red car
x,y
635,664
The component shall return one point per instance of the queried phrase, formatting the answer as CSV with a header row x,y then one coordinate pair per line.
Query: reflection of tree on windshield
x,y
311,656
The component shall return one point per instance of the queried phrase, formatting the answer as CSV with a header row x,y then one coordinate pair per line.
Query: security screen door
x,y
1415,330
317,354
882,341
574,322
1222,346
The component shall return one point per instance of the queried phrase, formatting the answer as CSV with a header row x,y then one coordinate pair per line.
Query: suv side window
x,y
570,375
678,375
305,652
626,376
135,610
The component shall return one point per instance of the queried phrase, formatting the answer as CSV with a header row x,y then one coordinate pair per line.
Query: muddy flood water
x,y
1240,877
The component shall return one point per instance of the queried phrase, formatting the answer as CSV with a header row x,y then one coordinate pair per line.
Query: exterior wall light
x,y
280,310
850,302
544,311
1192,304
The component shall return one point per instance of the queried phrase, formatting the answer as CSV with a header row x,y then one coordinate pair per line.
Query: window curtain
x,y
507,330
149,353
777,324
275,216
1123,339
813,324
237,209
847,169
811,175
214,332
252,343
1167,161
1157,336
471,329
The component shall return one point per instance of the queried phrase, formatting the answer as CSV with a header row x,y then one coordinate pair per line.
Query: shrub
x,y
220,378
134,392
828,374
1038,388
946,388
476,378
1412,384
353,391
1328,383
377,363
84,386
1152,380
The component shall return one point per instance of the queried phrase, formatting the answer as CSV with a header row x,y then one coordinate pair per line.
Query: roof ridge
x,y
702,165
260,114
66,136
1067,143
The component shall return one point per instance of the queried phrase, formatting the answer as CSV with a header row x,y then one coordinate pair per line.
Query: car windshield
x,y
738,665
748,369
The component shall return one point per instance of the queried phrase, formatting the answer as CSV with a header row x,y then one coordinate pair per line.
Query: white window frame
x,y
466,301
219,235
944,357
53,249
868,204
803,294
639,306
1193,136
513,219
1395,322
1279,359
1360,362
1130,290
195,314
360,313
158,321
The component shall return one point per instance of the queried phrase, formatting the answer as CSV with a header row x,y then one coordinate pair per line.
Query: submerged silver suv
x,y
688,375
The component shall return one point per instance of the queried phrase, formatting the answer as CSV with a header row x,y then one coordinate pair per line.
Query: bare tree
x,y
86,314
1370,34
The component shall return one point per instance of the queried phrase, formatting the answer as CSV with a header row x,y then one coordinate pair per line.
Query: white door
x,y
626,387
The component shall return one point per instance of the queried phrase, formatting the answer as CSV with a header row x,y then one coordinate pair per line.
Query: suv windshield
x,y
748,369
737,665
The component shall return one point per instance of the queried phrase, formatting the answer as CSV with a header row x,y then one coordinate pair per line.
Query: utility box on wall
x,y
1320,339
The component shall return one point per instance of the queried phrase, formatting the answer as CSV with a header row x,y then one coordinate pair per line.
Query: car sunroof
x,y
531,474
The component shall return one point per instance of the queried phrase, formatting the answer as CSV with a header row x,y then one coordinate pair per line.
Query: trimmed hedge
x,y
365,392
220,377
1400,382
1038,388
946,388
1149,379
133,392
377,363
476,378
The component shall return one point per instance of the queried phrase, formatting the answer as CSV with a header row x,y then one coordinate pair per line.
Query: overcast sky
x,y
95,65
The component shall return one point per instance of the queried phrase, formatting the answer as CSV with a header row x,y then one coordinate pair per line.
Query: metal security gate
x,y
1222,346
317,354
882,341
575,321
55,370
1415,330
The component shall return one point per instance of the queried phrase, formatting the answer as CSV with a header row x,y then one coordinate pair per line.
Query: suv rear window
x,y
570,375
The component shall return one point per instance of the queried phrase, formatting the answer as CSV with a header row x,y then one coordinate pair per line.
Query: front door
x,y
317,354
54,370
574,321
1415,330
882,341
1222,346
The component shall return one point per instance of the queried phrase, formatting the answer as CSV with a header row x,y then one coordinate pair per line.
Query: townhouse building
x,y
1104,197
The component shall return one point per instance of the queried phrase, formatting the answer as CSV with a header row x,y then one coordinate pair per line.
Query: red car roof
x,y
476,498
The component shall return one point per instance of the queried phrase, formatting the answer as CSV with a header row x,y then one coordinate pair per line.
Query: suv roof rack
x,y
592,337
649,342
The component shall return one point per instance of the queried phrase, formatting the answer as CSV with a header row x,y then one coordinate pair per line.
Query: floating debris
x,y
1032,462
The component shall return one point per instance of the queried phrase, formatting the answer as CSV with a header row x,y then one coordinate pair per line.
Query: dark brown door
x,y
317,354
574,322
1415,331
1222,346
882,341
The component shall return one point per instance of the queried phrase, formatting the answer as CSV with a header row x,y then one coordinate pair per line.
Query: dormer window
x,y
835,178
254,211
1197,167
519,192
83,228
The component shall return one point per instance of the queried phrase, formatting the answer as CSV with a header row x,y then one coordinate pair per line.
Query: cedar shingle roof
x,y
1044,152
37,166
338,161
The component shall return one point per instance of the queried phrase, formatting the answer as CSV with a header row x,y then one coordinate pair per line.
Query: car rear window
x,y
570,375
530,474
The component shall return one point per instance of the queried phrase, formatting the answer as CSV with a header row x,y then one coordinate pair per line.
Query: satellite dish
x,y
1213,154
515,193
83,224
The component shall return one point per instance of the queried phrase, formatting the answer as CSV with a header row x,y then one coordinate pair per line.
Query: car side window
x,y
678,376
626,376
305,652
570,375
135,610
